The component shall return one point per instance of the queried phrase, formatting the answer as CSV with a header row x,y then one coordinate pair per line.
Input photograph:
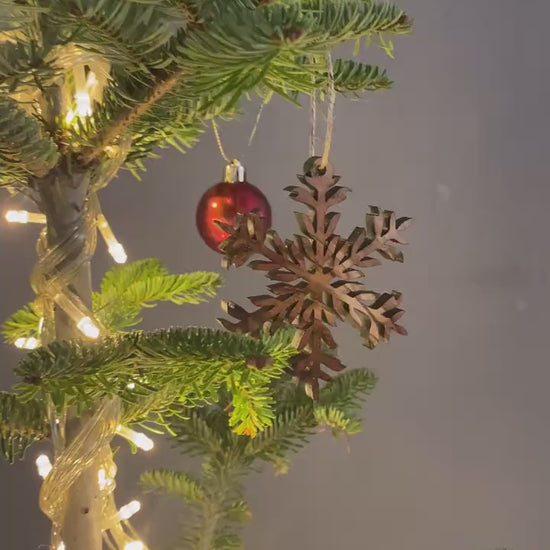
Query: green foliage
x,y
167,369
173,65
22,324
347,391
21,424
127,289
14,14
218,508
25,149
190,363
352,76
178,484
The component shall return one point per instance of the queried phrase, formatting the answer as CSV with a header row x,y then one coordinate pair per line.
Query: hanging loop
x,y
234,172
330,112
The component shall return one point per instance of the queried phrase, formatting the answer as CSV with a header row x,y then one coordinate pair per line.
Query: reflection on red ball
x,y
223,202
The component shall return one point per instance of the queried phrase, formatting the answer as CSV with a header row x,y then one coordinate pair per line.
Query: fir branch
x,y
217,515
168,482
232,48
21,424
110,134
125,291
196,434
24,63
22,324
288,432
348,390
353,76
151,283
336,419
15,14
129,288
193,363
25,149
133,33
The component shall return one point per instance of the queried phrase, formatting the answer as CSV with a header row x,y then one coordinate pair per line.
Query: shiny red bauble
x,y
223,202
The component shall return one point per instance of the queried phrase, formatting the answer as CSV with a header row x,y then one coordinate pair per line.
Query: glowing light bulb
x,y
88,328
26,343
61,546
116,250
83,106
22,216
43,465
140,440
143,442
103,480
131,385
135,545
127,511
17,216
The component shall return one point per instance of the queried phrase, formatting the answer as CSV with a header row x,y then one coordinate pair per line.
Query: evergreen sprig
x,y
21,424
216,497
127,289
173,65
193,363
22,324
352,77
156,374
25,149
179,484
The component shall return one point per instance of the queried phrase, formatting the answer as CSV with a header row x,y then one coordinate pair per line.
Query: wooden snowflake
x,y
319,275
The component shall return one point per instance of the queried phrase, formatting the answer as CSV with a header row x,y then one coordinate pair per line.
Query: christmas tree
x,y
89,87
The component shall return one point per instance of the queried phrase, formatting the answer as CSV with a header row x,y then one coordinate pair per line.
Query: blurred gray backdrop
x,y
455,454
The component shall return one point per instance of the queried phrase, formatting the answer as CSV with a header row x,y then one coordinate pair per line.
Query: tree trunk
x,y
63,200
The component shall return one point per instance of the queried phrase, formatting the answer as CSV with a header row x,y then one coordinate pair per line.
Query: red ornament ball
x,y
223,202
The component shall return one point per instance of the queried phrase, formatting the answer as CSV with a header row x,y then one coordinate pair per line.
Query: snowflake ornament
x,y
319,275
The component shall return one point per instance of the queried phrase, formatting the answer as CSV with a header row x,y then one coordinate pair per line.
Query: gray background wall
x,y
455,451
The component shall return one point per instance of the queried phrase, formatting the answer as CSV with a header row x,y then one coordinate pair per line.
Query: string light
x,y
118,253
88,328
116,250
103,480
77,312
128,510
26,343
82,98
61,546
140,440
23,216
131,385
43,465
135,545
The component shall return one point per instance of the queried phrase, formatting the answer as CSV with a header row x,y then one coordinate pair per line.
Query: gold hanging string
x,y
313,123
234,170
219,141
256,123
330,112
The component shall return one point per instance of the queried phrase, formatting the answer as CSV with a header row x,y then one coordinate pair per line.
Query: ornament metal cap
x,y
234,172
